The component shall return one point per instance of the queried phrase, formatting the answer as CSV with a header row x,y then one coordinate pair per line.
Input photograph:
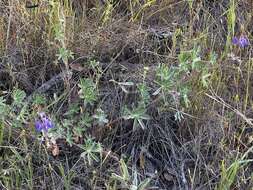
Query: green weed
x,y
127,181
228,175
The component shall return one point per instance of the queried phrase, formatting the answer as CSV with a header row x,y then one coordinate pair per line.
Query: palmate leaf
x,y
91,151
100,116
87,91
184,58
179,116
39,99
64,54
85,121
18,97
23,114
138,114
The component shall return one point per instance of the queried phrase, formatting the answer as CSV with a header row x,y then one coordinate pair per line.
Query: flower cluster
x,y
242,41
43,123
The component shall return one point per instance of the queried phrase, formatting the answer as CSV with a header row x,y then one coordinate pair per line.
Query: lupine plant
x,y
100,117
15,113
138,115
87,91
175,82
92,151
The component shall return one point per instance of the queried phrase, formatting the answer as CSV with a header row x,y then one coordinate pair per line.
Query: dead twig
x,y
219,100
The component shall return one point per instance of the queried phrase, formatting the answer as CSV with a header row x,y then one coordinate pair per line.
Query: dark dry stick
x,y
52,82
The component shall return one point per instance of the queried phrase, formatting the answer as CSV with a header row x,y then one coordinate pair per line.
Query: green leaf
x,y
100,116
73,110
18,97
124,170
119,178
86,121
204,79
213,58
144,92
144,184
91,151
39,100
87,91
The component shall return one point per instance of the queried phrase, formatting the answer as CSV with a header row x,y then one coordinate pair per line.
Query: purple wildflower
x,y
43,123
243,41
235,40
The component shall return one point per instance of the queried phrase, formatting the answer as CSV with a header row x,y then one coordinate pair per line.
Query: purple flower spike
x,y
235,40
48,124
43,123
243,41
38,125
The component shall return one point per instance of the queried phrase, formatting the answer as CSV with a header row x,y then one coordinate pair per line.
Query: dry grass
x,y
209,148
